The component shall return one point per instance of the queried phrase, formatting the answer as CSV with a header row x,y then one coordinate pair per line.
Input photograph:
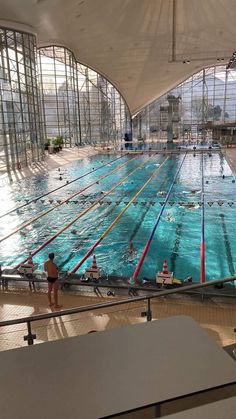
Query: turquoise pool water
x,y
177,237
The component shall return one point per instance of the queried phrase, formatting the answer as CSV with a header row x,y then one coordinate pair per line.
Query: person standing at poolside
x,y
52,276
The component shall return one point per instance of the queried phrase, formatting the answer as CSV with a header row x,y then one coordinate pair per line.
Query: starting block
x,y
93,273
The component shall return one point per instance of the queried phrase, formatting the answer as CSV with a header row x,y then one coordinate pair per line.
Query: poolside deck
x,y
215,314
230,154
52,161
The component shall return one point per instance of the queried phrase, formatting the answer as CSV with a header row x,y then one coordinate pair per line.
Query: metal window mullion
x,y
121,117
55,80
28,102
225,93
12,155
67,95
39,115
191,107
44,123
78,103
75,120
89,114
98,107
20,96
34,86
214,94
5,145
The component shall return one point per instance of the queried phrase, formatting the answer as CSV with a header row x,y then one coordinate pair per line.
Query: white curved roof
x,y
139,45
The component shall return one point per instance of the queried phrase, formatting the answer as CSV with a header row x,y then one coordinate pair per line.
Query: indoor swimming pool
x,y
106,201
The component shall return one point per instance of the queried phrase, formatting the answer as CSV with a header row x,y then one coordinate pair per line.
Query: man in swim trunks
x,y
52,276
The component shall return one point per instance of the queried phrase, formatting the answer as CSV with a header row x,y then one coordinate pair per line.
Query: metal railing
x,y
148,313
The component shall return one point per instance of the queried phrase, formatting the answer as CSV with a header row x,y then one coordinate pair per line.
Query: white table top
x,y
105,373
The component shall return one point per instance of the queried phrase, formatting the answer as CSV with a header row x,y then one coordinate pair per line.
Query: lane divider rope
x,y
146,248
60,187
202,246
81,214
42,214
90,251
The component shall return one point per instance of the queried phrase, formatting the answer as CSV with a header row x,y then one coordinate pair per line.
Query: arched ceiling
x,y
139,45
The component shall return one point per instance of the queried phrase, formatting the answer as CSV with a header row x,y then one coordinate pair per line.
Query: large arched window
x,y
201,108
79,105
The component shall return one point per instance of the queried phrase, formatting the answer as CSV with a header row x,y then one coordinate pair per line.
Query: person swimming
x,y
74,231
22,233
193,206
190,205
130,249
169,217
194,191
30,259
130,253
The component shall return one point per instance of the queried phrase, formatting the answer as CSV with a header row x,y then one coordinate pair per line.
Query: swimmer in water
x,y
194,191
22,233
160,193
169,217
190,205
75,232
130,249
30,259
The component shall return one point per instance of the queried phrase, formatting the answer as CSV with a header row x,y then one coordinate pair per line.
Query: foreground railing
x,y
148,313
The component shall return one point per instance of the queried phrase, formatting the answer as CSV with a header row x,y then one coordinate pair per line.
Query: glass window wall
x,y
200,109
21,140
79,105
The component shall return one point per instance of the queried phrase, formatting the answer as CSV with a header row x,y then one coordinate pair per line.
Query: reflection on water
x,y
177,237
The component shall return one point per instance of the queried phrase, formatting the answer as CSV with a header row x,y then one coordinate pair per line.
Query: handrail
x,y
92,307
